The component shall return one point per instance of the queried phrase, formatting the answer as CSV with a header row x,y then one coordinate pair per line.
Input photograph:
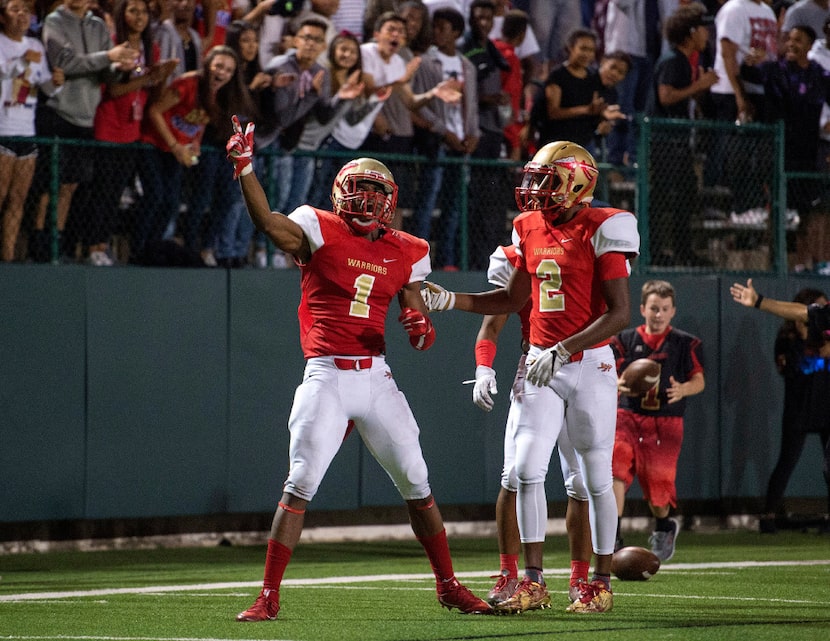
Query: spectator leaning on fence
x,y
80,44
678,80
796,90
174,126
118,120
178,40
488,184
23,71
444,130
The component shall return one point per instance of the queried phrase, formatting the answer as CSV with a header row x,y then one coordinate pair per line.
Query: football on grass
x,y
634,564
641,375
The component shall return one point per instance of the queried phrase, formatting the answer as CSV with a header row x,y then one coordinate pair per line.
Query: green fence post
x,y
54,190
778,215
464,204
641,194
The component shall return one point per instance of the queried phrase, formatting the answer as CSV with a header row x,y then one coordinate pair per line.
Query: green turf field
x,y
735,585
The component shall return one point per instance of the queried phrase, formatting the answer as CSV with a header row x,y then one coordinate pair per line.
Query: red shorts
x,y
648,447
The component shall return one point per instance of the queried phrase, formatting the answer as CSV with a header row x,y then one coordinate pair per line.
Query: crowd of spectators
x,y
484,79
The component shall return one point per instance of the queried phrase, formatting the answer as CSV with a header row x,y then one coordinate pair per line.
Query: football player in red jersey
x,y
502,262
352,265
574,266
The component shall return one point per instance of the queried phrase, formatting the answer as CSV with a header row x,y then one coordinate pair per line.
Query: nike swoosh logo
x,y
389,260
565,240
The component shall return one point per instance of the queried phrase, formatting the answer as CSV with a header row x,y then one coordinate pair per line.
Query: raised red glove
x,y
419,327
240,148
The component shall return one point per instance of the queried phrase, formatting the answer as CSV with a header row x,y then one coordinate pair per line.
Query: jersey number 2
x,y
550,277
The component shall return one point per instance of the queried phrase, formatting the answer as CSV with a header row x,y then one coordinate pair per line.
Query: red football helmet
x,y
562,174
365,195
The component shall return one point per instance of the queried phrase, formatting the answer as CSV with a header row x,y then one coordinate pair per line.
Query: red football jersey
x,y
567,263
349,281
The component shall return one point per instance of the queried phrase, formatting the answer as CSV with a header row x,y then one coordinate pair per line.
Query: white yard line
x,y
340,580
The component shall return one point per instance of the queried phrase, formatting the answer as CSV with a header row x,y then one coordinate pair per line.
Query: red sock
x,y
579,570
276,560
438,553
509,565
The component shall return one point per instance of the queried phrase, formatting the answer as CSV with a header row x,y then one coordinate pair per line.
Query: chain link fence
x,y
709,197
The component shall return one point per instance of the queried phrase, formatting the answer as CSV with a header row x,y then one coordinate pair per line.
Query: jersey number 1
x,y
363,288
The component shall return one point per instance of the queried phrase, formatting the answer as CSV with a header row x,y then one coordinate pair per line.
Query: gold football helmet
x,y
365,195
562,174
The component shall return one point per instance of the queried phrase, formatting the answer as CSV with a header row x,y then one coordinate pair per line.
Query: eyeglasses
x,y
308,38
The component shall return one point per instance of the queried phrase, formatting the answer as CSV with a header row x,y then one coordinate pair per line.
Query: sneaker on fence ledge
x,y
99,259
793,219
279,260
755,218
208,258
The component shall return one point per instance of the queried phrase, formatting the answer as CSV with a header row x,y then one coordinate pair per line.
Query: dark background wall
x,y
142,393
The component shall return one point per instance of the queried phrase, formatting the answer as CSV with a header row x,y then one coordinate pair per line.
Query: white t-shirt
x,y
383,73
452,68
529,46
750,25
19,81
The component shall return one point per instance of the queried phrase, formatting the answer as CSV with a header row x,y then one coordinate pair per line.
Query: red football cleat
x,y
265,608
454,595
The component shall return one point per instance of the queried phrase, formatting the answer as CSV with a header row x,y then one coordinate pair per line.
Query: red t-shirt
x,y
186,119
118,119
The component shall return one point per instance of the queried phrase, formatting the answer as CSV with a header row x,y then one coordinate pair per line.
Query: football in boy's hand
x,y
641,375
634,564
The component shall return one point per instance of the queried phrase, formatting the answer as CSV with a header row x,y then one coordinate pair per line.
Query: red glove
x,y
419,327
241,148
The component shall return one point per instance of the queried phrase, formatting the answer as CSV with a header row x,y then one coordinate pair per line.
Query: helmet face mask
x,y
364,194
561,175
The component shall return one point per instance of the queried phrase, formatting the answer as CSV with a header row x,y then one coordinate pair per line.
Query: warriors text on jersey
x,y
680,355
349,281
568,262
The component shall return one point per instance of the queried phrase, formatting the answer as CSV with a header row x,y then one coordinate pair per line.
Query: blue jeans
x,y
445,181
320,194
161,182
236,230
214,191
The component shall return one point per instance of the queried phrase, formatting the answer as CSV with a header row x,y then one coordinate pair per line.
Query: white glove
x,y
436,298
485,385
546,364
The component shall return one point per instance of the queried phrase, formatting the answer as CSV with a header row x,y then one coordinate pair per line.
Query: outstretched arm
x,y
498,301
748,297
283,232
